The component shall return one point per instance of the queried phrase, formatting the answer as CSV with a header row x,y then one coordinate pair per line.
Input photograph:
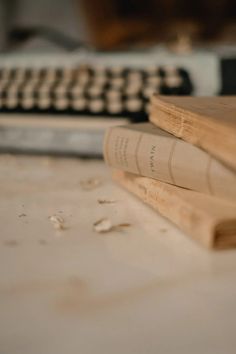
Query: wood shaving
x,y
90,183
106,201
21,215
58,222
104,225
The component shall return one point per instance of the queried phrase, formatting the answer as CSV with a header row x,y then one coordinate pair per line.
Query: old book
x,y
149,151
210,221
208,122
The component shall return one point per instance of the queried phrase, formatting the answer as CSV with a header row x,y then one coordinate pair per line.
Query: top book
x,y
208,122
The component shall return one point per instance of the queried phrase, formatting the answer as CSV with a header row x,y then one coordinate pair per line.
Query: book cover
x,y
147,150
208,220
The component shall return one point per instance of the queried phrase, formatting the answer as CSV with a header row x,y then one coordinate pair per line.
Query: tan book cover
x,y
208,220
208,122
149,151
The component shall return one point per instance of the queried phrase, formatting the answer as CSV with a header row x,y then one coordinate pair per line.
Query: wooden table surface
x,y
145,290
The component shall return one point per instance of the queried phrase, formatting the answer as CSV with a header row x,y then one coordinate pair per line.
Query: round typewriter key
x,y
65,81
133,105
20,74
61,103
173,81
115,107
44,102
132,90
68,74
5,73
33,81
117,82
13,89
116,70
134,76
83,78
11,102
113,94
77,90
99,80
50,74
170,70
79,104
28,102
95,91
28,89
154,80
11,93
99,70
96,106
43,95
35,74
148,91
60,90
99,73
44,89
151,70
3,85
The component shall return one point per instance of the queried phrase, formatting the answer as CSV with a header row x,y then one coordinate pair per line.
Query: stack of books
x,y
183,164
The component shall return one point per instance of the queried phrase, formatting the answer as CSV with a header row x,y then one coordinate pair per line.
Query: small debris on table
x,y
163,230
106,201
90,183
58,222
43,242
22,215
104,225
11,243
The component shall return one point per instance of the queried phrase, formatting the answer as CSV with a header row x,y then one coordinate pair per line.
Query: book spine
x,y
168,159
208,220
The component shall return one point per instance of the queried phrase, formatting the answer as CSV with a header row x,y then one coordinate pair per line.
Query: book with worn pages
x,y
147,150
209,220
208,122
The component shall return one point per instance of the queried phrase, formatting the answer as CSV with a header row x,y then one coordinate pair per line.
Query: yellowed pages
x,y
148,151
208,122
208,220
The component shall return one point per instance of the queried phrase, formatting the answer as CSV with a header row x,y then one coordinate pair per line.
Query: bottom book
x,y
209,220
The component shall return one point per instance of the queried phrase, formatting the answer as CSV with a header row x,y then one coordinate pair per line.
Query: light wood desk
x,y
146,290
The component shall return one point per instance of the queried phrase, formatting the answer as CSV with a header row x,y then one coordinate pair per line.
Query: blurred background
x,y
115,24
